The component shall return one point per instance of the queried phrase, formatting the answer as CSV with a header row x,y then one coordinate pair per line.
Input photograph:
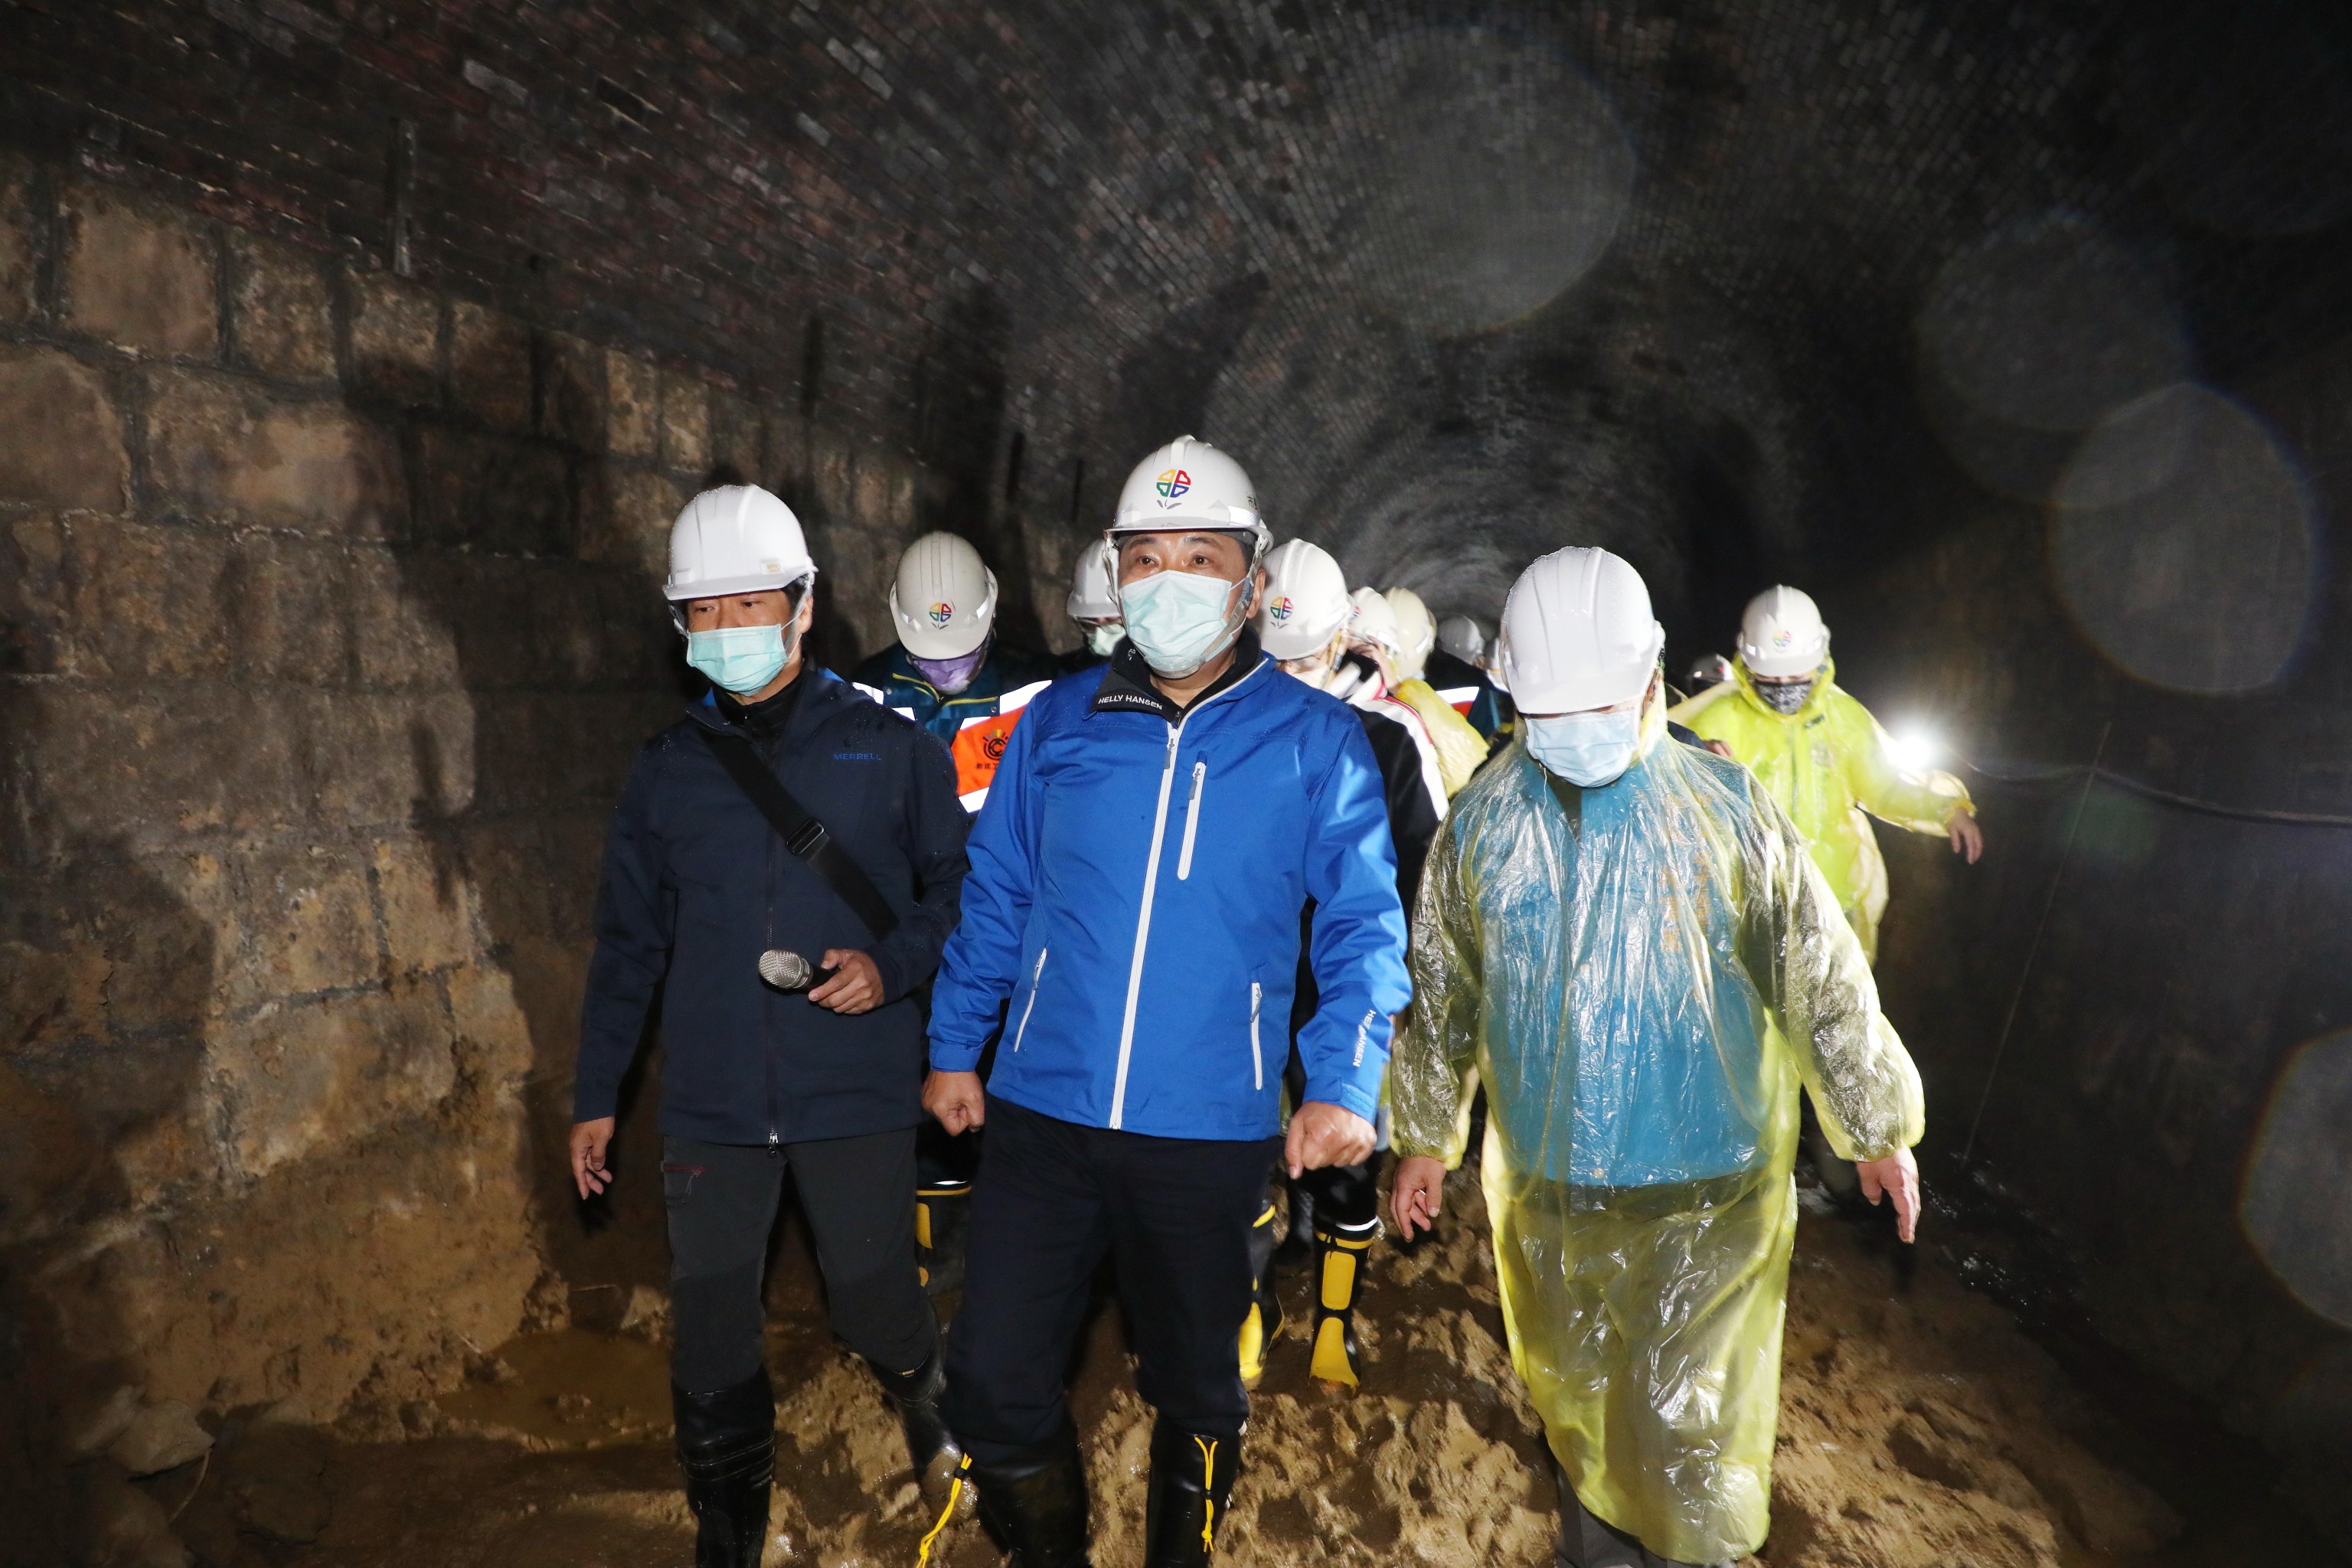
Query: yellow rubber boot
x,y
1340,1278
941,1211
1263,1326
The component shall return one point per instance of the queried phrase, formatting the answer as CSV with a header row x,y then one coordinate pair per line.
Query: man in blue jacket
x,y
698,886
1138,876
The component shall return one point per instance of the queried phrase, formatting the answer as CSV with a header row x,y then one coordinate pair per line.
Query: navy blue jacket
x,y
696,885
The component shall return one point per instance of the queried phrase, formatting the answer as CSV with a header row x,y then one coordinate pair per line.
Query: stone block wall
x,y
328,622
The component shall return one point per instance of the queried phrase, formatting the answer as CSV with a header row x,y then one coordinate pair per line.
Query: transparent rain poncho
x,y
1642,975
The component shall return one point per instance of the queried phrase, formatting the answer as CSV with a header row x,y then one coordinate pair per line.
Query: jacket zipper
x,y
1191,822
1143,916
767,1002
1037,974
1257,1061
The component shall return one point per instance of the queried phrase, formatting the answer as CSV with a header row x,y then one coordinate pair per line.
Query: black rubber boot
x,y
1588,1540
1191,1477
727,1443
1263,1326
1035,1504
929,1444
1298,1248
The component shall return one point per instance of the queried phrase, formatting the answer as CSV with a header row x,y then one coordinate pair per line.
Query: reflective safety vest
x,y
980,745
972,723
980,742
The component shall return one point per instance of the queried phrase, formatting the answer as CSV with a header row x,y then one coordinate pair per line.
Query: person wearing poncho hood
x,y
1627,943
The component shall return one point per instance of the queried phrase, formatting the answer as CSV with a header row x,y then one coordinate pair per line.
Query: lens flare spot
x,y
2298,1185
2181,541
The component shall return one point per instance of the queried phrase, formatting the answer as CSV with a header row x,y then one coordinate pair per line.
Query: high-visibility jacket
x,y
1826,765
975,723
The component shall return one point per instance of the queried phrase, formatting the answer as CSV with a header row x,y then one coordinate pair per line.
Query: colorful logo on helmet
x,y
1279,607
941,613
1783,638
1173,483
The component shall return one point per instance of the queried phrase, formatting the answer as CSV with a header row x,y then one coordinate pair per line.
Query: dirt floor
x,y
1920,1428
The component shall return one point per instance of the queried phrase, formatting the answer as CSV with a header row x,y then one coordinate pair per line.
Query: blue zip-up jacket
x,y
1137,880
696,885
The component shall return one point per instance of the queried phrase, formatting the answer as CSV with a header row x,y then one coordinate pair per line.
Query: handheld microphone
x,y
788,970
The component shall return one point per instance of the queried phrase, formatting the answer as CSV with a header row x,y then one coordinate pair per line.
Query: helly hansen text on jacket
x,y
697,886
1137,877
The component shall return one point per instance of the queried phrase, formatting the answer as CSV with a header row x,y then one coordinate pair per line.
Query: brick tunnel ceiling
x,y
1735,291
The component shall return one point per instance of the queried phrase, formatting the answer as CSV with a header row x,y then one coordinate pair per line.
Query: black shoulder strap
x,y
804,834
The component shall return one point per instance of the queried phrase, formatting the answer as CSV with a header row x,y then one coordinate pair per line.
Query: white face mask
x,y
1586,749
1180,620
1103,639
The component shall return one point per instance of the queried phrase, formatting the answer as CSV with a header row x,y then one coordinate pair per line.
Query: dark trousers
x,y
858,1194
1054,1199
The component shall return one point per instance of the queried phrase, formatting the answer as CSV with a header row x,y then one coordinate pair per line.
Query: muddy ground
x,y
1920,1428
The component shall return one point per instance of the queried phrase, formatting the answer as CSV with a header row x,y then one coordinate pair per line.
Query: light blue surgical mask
x,y
1180,620
740,659
1586,749
1104,638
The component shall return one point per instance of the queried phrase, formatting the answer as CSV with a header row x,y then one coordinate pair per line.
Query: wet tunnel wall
x,y
353,356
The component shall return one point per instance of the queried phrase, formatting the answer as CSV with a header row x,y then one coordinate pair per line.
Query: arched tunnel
x,y
355,356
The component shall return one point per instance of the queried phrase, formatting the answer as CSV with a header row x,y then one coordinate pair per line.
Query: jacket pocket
x,y
1191,821
1258,1055
1035,976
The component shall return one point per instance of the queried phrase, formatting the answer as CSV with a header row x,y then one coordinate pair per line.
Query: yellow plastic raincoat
x,y
1460,747
1827,763
1642,975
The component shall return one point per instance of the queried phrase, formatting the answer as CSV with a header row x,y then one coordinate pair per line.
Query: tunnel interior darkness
x,y
2021,336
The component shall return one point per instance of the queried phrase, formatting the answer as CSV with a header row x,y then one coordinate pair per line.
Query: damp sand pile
x,y
1919,1429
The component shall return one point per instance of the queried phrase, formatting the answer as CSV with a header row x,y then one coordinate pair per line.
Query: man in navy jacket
x,y
697,886
1154,831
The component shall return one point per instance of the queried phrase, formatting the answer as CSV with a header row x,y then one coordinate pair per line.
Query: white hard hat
x,y
1189,484
1306,600
1782,635
1577,633
1372,621
943,599
1461,636
737,539
1416,633
1093,587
